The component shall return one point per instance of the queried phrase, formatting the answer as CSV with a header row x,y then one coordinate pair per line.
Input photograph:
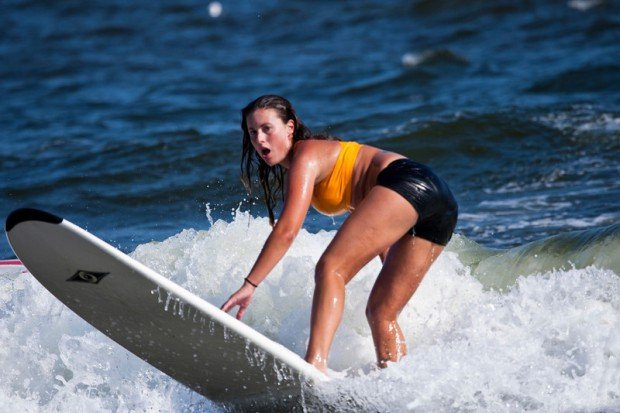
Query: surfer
x,y
399,210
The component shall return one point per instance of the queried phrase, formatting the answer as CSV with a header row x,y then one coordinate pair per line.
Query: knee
x,y
378,311
328,269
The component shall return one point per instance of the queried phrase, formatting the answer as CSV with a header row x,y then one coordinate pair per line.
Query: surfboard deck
x,y
174,330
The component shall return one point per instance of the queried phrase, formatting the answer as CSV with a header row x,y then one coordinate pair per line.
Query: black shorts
x,y
430,196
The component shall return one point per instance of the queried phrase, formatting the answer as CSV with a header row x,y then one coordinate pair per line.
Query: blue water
x,y
124,118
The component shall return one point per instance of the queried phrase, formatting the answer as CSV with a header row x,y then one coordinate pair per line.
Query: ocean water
x,y
123,117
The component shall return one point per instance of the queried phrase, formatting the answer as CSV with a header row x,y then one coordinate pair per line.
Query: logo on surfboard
x,y
90,277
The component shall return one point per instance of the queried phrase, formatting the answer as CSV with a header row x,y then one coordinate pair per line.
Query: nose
x,y
261,136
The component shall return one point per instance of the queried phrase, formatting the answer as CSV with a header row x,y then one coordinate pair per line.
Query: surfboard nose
x,y
29,214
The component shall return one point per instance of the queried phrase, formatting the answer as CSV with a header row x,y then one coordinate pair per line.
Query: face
x,y
271,137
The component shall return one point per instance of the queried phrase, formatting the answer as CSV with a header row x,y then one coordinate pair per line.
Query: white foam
x,y
584,5
54,361
551,343
215,9
582,118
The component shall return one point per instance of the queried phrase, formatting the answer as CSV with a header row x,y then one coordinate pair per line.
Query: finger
x,y
240,312
227,306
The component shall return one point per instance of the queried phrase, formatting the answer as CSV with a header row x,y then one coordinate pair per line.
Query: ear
x,y
290,126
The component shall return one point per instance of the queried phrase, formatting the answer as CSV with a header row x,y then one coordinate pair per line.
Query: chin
x,y
272,161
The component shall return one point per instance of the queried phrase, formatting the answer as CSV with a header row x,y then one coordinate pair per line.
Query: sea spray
x,y
54,361
549,344
549,341
455,327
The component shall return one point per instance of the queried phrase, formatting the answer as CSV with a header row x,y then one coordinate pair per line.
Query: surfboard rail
x,y
46,243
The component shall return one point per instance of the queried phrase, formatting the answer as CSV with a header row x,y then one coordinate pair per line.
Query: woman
x,y
399,209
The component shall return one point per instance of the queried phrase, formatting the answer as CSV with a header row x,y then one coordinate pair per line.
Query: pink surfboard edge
x,y
11,262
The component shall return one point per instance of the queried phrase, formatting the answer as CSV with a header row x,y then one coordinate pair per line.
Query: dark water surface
x,y
123,117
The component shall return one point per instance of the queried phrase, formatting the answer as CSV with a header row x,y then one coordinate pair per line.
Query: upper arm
x,y
299,188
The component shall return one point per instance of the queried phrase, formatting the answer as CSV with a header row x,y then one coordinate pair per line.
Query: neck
x,y
286,162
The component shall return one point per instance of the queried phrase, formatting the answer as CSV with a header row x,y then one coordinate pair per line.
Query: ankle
x,y
317,361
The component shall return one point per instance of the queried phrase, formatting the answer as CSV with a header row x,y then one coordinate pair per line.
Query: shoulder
x,y
313,149
314,156
309,145
306,156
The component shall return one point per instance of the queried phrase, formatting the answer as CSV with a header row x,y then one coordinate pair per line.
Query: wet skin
x,y
377,226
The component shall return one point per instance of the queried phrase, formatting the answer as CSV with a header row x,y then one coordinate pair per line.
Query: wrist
x,y
248,281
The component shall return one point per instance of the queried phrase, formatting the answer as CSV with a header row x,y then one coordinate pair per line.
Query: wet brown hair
x,y
271,178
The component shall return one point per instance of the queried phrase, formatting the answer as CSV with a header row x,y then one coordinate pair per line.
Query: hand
x,y
241,298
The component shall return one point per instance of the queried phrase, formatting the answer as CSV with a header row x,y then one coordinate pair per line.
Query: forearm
x,y
274,249
299,187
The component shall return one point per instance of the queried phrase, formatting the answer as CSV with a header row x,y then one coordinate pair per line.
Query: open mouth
x,y
265,151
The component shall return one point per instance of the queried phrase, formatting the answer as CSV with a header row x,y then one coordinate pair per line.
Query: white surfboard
x,y
174,330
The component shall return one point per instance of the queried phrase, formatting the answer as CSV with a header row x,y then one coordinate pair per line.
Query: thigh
x,y
406,264
379,221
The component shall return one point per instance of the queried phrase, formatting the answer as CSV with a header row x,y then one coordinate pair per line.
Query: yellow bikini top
x,y
332,196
